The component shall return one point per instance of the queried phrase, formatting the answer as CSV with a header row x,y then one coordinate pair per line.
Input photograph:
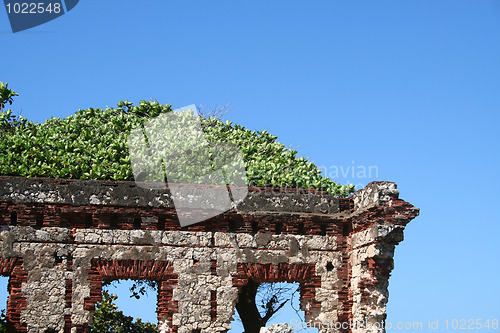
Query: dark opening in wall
x,y
58,259
329,266
347,229
38,221
161,223
278,228
88,221
65,220
300,229
232,226
255,227
323,230
277,293
137,223
13,219
69,262
213,305
113,222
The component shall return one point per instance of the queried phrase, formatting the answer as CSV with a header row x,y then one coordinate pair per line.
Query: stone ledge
x,y
21,190
127,193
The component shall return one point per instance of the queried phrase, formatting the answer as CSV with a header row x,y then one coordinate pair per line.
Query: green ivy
x,y
92,144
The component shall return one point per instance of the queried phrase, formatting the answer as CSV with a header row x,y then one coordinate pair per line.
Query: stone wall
x,y
59,239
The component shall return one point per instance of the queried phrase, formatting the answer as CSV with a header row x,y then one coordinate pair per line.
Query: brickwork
x,y
59,239
159,271
13,268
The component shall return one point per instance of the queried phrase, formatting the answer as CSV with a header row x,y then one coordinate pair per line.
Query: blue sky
x,y
408,87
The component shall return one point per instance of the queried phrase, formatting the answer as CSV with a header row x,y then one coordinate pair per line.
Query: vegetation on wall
x,y
92,144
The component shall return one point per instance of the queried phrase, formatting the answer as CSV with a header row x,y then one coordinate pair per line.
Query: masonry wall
x,y
60,239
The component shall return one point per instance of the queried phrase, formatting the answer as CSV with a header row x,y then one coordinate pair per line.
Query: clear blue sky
x,y
409,87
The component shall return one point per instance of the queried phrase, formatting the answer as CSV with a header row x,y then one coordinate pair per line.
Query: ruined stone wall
x,y
59,239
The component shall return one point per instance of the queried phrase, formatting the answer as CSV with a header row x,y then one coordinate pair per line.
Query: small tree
x,y
6,95
259,302
7,120
107,318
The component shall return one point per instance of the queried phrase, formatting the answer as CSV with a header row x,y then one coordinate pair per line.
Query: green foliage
x,y
6,95
3,322
107,318
92,144
268,162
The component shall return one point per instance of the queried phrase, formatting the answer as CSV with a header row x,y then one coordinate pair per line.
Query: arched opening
x,y
281,302
275,285
142,274
129,304
136,298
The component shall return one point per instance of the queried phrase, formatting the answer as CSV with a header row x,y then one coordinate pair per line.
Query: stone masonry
x,y
59,239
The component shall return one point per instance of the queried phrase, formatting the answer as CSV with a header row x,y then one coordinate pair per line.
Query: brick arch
x,y
159,271
304,274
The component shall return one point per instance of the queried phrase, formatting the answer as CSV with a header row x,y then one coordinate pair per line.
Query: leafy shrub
x,y
92,144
